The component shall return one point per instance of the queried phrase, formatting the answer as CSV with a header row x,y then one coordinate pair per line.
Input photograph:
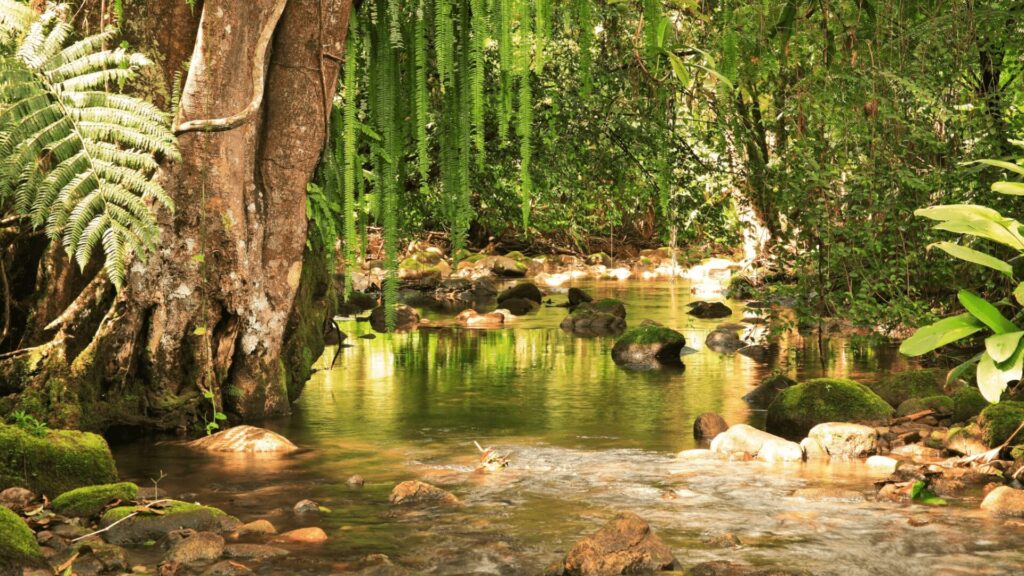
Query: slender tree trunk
x,y
208,311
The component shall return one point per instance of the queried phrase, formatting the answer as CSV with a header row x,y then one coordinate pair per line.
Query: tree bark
x,y
208,311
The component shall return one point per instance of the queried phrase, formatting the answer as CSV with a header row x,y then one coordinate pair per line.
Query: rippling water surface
x,y
587,439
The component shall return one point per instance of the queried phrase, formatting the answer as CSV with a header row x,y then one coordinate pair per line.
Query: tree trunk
x,y
207,312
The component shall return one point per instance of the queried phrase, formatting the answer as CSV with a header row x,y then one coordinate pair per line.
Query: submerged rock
x,y
406,318
768,390
473,319
801,407
602,318
227,568
723,341
829,495
416,492
306,507
845,440
649,345
254,552
310,535
709,310
756,352
244,439
745,439
525,291
57,461
578,296
259,527
899,387
626,545
144,527
519,306
708,425
1004,501
89,501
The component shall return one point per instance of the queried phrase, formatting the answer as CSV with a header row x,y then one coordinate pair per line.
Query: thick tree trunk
x,y
208,311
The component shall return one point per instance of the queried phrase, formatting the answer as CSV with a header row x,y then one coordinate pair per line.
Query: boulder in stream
x,y
519,306
709,310
648,346
406,318
523,290
89,501
626,545
768,390
723,341
843,440
999,421
54,462
899,387
191,547
801,407
416,492
603,318
577,296
754,443
1004,501
708,425
18,546
244,439
143,527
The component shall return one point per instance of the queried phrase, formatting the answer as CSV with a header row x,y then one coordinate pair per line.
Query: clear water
x,y
588,439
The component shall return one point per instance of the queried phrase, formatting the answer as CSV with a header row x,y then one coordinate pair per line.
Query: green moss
x,y
145,527
940,404
998,421
55,463
651,335
473,258
801,407
304,337
967,403
901,386
604,306
18,545
89,501
517,256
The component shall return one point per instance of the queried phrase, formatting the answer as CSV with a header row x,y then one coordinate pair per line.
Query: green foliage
x,y
28,423
920,494
78,159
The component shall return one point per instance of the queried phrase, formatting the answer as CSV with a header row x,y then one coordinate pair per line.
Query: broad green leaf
x,y
990,379
986,312
679,69
930,499
1002,346
974,256
1004,165
962,369
1010,188
916,489
937,335
987,229
1019,293
958,212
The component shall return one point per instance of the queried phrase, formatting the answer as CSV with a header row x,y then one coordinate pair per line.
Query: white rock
x,y
244,439
697,454
883,463
779,450
813,449
844,440
751,441
1004,501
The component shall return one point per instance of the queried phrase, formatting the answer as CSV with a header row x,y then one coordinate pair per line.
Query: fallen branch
x,y
142,509
258,84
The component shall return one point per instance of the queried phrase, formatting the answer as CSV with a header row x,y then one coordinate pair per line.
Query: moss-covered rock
x,y
940,404
608,306
54,463
523,291
145,527
899,387
605,317
18,546
801,407
649,345
998,421
89,501
968,403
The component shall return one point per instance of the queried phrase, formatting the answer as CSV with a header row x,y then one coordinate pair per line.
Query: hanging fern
x,y
420,95
542,32
477,72
444,40
584,15
348,158
504,10
524,116
78,159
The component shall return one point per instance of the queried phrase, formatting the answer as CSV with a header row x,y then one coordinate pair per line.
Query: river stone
x,y
406,318
416,492
899,387
196,547
89,501
305,507
941,405
525,291
58,461
768,390
723,341
603,318
578,296
244,439
227,568
502,266
310,535
473,319
967,403
18,546
813,450
259,527
999,421
145,527
966,441
742,438
649,345
626,545
708,425
829,495
756,352
254,552
803,406
519,306
1004,501
709,310
844,440
16,498
98,557
882,463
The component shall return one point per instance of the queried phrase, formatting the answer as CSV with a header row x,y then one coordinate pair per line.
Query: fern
x,y
77,159
348,157
525,133
505,65
584,15
444,40
420,95
476,81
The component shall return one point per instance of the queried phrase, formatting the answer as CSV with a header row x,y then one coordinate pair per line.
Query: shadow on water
x,y
588,439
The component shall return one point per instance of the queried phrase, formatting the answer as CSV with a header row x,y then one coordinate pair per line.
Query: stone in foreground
x,y
799,408
745,439
18,546
142,528
844,440
416,492
708,425
89,501
649,346
54,463
626,545
244,439
1004,501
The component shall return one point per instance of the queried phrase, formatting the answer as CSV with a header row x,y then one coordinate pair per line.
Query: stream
x,y
587,440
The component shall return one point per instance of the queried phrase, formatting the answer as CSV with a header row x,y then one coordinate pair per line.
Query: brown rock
x,y
626,545
254,552
227,568
197,547
1004,501
416,492
16,498
708,425
244,439
259,527
311,535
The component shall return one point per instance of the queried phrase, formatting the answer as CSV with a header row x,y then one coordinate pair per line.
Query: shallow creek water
x,y
587,439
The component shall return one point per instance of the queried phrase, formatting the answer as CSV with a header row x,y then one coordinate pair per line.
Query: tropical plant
x,y
78,157
1002,361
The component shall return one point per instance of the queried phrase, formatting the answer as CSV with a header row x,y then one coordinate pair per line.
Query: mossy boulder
x,y
602,318
939,404
768,390
18,546
709,310
799,408
608,306
524,291
899,387
649,346
998,421
423,270
968,403
89,501
54,463
145,527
